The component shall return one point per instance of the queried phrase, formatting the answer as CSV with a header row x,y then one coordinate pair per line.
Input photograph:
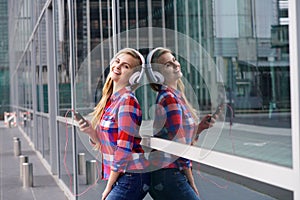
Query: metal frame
x,y
294,36
72,67
52,97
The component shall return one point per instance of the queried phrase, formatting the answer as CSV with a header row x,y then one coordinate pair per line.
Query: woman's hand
x,y
195,188
113,177
106,192
189,175
86,127
206,122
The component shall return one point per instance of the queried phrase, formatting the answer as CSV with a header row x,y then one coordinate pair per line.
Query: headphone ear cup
x,y
134,78
160,78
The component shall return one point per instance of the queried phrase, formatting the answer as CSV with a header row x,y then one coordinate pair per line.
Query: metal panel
x,y
52,84
72,67
294,36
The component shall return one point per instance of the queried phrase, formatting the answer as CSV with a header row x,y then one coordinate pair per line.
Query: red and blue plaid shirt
x,y
118,134
173,121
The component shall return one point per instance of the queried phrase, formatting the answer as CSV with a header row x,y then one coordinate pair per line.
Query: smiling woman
x,y
122,69
114,131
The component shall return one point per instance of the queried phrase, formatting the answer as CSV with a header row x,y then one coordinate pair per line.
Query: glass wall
x,y
233,52
4,67
228,54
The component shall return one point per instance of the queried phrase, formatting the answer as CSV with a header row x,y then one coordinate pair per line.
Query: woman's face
x,y
122,68
171,69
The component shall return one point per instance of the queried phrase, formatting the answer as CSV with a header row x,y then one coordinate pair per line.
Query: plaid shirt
x,y
173,121
118,133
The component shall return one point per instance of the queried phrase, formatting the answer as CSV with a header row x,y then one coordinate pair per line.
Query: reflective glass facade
x,y
233,51
4,70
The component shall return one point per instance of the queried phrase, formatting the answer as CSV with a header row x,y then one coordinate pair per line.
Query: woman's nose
x,y
177,64
118,65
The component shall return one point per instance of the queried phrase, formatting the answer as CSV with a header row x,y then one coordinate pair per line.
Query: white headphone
x,y
153,76
136,77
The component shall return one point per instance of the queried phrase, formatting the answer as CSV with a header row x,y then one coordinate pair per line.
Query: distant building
x,y
4,59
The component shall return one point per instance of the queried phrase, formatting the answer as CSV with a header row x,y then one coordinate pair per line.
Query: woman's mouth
x,y
177,70
116,71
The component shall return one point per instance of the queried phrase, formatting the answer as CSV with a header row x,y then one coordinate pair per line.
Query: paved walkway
x,y
11,186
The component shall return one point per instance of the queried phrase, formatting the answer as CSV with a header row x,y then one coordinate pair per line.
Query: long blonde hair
x,y
108,86
156,55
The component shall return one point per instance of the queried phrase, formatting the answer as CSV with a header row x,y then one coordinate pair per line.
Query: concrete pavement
x,y
11,187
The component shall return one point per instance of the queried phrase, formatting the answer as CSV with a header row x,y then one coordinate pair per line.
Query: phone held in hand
x,y
80,117
217,112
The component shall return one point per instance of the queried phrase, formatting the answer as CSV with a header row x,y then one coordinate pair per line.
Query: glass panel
x,y
131,14
142,13
46,138
27,117
66,155
43,65
258,85
169,13
227,55
21,85
92,26
156,13
61,18
242,61
4,87
4,62
124,15
38,77
92,62
84,147
63,55
40,133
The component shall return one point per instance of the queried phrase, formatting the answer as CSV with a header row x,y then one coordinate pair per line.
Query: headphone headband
x,y
151,53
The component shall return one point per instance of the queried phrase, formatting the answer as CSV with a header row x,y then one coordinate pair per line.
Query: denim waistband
x,y
169,170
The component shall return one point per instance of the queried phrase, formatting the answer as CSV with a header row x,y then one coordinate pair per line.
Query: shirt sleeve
x,y
129,120
183,163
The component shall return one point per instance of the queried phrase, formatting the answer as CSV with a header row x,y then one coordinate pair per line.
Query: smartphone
x,y
217,112
80,117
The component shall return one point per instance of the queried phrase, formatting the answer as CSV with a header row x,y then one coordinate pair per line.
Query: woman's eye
x,y
126,66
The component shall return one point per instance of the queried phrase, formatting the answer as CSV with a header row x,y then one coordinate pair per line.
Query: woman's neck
x,y
172,85
117,87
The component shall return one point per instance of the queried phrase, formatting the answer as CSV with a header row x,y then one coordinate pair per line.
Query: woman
x,y
114,130
175,119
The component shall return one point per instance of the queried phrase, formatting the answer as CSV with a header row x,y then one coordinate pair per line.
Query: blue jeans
x,y
130,186
169,184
